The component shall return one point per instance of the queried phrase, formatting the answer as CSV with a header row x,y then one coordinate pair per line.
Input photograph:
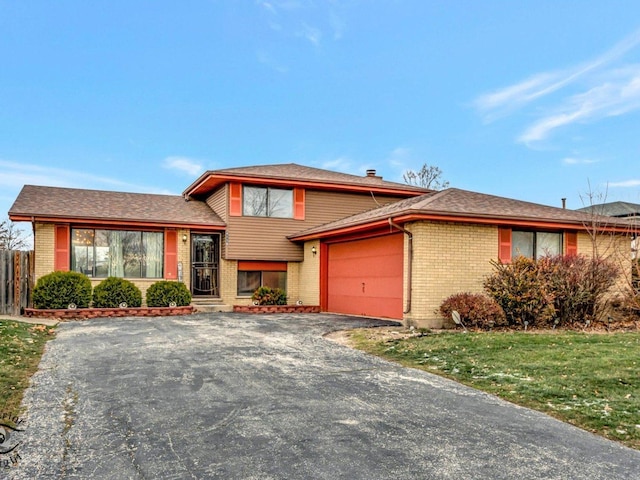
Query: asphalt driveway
x,y
267,397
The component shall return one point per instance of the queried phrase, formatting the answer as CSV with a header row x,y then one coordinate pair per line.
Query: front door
x,y
205,258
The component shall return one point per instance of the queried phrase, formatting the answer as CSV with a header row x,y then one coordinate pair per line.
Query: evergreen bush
x,y
113,292
62,289
164,292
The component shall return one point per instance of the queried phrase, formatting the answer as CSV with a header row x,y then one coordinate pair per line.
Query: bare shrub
x,y
476,310
558,290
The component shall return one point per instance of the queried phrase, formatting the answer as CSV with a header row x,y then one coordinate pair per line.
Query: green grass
x,y
589,380
21,346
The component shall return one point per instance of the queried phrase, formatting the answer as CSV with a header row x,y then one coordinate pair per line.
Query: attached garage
x,y
365,277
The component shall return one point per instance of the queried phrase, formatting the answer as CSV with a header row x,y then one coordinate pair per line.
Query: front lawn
x,y
589,380
21,346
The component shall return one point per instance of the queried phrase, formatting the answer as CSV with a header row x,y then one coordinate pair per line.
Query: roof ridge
x,y
97,190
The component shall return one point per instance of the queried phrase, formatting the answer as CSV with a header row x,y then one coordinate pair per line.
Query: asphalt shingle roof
x,y
294,172
614,209
464,204
79,204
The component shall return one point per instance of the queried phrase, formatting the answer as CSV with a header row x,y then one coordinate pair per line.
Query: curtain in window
x,y
153,248
116,257
548,244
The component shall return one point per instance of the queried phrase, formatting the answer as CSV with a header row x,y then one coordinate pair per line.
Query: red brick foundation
x,y
276,308
83,313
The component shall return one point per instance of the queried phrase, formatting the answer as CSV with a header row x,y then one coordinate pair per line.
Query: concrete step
x,y
210,304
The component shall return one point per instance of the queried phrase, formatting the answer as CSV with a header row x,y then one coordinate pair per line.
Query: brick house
x,y
350,244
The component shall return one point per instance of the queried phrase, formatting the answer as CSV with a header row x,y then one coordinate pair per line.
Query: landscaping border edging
x,y
276,308
84,313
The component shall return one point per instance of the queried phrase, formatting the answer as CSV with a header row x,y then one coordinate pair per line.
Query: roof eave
x,y
408,216
204,185
115,222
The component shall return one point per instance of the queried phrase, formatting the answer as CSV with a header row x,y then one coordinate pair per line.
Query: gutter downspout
x,y
410,262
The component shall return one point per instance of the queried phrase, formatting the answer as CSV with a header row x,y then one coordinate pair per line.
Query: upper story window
x,y
535,244
267,202
117,253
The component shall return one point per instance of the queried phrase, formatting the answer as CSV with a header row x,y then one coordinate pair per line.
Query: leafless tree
x,y
11,238
605,243
429,176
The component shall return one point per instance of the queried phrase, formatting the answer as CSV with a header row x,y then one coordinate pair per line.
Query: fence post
x,y
3,281
16,281
17,273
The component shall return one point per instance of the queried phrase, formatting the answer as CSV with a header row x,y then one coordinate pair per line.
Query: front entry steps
x,y
209,305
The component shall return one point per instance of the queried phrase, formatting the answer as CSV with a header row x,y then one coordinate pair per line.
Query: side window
x,y
267,202
535,244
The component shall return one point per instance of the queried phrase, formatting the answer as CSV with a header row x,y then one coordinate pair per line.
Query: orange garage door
x,y
364,277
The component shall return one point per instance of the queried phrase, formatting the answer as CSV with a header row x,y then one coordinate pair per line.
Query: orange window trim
x,y
504,245
571,243
62,241
298,203
170,255
235,199
249,266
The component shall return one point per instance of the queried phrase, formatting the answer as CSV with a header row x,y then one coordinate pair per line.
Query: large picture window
x,y
267,202
117,253
535,244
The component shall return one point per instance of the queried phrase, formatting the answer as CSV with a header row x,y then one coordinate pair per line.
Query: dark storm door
x,y
205,258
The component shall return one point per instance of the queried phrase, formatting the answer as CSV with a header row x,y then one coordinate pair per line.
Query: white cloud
x,y
312,34
545,83
15,175
625,183
266,59
304,19
267,6
338,25
399,158
341,164
578,161
602,92
615,97
183,164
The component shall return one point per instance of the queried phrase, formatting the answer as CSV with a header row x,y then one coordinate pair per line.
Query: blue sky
x,y
535,100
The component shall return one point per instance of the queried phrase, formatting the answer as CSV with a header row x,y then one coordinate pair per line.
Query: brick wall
x,y
614,248
447,259
309,280
43,248
184,256
293,282
229,284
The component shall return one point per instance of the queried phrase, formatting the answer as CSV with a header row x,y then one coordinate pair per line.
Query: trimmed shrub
x,y
520,291
164,292
269,296
476,310
114,291
61,289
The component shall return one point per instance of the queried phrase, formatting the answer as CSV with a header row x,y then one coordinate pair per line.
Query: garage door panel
x,y
365,277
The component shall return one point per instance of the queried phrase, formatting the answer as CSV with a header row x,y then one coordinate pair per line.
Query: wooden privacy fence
x,y
16,281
